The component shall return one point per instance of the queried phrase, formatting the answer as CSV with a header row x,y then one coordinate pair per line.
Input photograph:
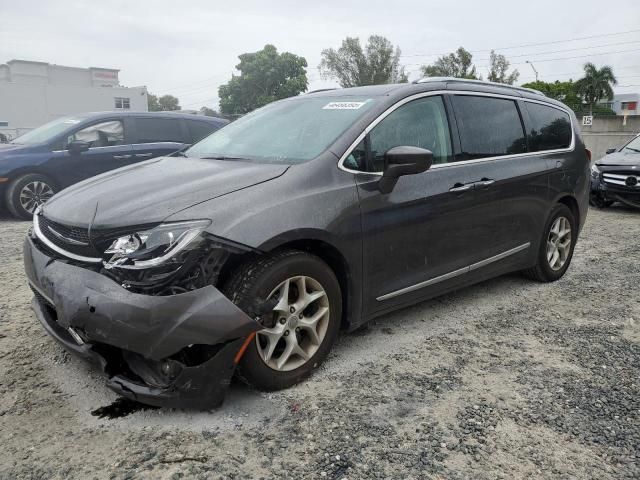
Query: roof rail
x,y
322,90
482,82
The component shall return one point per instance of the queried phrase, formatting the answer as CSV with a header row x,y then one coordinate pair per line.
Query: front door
x,y
416,238
107,151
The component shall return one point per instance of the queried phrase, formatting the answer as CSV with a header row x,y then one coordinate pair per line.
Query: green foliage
x,y
457,64
265,76
565,92
583,95
498,66
596,84
209,112
165,103
378,63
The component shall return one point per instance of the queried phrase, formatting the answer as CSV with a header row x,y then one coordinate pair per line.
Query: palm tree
x,y
596,84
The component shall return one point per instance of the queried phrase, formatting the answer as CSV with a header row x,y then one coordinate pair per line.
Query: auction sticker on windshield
x,y
343,105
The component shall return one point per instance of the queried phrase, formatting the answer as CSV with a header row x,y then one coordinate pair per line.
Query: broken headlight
x,y
150,248
595,171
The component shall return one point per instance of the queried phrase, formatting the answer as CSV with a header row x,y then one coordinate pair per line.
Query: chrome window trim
x,y
416,96
122,145
55,248
455,273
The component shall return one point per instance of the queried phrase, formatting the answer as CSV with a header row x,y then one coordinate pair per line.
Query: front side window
x,y
104,134
155,130
488,127
550,128
286,132
420,123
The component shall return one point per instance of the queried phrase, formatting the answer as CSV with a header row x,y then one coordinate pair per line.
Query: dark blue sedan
x,y
65,151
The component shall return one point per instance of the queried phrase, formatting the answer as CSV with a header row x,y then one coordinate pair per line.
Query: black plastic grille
x,y
73,234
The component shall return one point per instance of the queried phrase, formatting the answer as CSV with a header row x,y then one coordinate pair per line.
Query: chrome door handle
x,y
143,155
121,157
485,183
458,188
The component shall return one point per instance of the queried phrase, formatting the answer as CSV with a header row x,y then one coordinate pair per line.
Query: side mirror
x,y
401,161
78,147
611,150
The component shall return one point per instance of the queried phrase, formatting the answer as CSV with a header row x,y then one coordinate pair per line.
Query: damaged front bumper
x,y
171,351
628,195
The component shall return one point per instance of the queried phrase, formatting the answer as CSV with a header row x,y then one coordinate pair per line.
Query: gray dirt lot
x,y
507,379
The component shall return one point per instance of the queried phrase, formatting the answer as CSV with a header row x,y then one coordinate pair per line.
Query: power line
x,y
572,49
546,59
528,44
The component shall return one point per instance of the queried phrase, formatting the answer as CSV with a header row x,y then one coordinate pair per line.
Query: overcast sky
x,y
188,48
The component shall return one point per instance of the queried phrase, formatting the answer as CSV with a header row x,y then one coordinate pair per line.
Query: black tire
x,y
15,188
542,271
250,287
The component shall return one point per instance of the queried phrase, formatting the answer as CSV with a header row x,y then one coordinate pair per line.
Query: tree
x,y
498,69
457,64
265,76
378,63
209,112
596,84
165,103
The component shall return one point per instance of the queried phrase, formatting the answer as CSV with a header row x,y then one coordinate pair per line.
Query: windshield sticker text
x,y
343,105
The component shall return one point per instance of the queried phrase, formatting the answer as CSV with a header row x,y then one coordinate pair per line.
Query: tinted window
x,y
488,127
199,130
152,130
421,123
550,128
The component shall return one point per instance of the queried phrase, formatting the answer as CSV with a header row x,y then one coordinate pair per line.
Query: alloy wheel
x,y
34,194
301,320
559,243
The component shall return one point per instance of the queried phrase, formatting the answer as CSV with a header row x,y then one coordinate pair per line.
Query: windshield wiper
x,y
633,149
223,157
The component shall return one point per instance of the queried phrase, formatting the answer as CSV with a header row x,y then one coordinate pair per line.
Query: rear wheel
x,y
28,192
303,325
556,247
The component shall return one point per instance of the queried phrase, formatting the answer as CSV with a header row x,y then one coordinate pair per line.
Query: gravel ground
x,y
506,379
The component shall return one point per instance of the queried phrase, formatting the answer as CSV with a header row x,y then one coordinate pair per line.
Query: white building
x,y
33,93
624,103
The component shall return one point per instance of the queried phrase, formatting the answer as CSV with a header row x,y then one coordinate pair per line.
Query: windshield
x,y
633,146
47,131
284,132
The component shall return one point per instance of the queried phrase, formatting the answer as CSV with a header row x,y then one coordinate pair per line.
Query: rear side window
x,y
199,130
152,130
488,127
550,128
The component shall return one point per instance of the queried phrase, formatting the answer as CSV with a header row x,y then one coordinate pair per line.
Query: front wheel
x,y
303,325
556,248
27,193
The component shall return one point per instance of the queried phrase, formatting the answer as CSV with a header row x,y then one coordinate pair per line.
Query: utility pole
x,y
534,69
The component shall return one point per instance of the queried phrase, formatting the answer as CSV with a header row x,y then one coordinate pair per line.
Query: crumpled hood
x,y
151,191
620,158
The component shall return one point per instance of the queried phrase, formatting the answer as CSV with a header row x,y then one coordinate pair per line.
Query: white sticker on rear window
x,y
343,105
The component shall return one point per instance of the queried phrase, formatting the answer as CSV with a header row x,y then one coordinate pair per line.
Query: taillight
x,y
588,153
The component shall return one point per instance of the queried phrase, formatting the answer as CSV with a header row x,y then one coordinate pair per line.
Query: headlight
x,y
150,248
595,171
